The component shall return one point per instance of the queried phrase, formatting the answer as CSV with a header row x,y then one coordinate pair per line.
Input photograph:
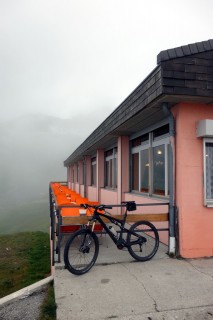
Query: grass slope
x,y
48,308
33,216
24,259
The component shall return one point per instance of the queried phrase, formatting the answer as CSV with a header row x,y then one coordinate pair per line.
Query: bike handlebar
x,y
130,206
100,207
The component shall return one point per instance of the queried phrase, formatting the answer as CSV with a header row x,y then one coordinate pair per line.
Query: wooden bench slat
x,y
130,218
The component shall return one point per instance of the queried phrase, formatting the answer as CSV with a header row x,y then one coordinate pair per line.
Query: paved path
x,y
119,288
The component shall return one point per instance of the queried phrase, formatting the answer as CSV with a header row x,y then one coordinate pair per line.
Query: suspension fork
x,y
93,224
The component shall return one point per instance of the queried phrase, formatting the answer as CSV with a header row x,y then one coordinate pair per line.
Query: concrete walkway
x,y
119,288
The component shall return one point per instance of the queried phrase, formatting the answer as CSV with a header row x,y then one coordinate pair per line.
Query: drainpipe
x,y
172,242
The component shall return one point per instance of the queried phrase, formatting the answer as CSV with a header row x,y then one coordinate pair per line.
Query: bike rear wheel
x,y
81,251
144,244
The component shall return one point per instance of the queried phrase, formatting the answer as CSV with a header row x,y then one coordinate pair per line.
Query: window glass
x,y
115,172
160,131
77,173
209,170
135,171
93,172
136,142
109,173
140,140
150,162
111,168
159,170
168,168
109,153
145,171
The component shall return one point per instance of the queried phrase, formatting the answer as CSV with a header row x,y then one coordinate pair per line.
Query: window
x,y
111,168
77,173
73,175
135,171
93,171
159,170
208,172
144,187
150,162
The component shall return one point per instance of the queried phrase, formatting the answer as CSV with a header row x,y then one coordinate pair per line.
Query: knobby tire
x,y
148,249
81,251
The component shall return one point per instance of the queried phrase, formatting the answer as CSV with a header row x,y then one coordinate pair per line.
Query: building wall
x,y
77,187
108,196
92,193
115,197
81,190
195,220
139,199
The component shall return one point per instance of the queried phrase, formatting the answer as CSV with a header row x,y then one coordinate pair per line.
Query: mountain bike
x,y
81,250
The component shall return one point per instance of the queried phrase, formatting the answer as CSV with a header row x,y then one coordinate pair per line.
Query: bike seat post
x,y
125,215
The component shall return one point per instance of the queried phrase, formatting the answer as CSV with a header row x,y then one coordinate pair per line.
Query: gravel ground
x,y
27,308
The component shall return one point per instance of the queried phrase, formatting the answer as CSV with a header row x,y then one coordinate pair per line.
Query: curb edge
x,y
25,292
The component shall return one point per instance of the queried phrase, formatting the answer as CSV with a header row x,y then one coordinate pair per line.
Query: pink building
x,y
157,146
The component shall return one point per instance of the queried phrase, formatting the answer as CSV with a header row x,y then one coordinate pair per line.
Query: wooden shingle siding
x,y
204,55
199,69
187,50
171,66
190,75
193,48
208,77
178,75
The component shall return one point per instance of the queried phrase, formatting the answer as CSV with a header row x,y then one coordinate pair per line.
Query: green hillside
x,y
24,259
32,216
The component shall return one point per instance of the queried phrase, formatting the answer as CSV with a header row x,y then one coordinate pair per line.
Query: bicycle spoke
x,y
81,251
143,244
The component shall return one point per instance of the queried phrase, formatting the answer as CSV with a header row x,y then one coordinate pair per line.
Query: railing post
x,y
59,235
52,226
53,238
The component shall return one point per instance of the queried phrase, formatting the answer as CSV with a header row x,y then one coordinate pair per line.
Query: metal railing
x,y
56,220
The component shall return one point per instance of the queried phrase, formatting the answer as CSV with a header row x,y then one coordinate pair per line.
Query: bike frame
x,y
118,222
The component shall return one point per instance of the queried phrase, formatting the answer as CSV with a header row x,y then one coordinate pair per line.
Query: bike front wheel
x,y
81,251
143,240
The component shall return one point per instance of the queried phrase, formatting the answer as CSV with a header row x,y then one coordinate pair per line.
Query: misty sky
x,y
69,57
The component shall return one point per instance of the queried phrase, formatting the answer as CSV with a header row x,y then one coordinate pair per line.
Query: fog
x,y
64,67
33,148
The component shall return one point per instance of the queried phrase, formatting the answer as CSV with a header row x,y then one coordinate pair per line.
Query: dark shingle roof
x,y
187,50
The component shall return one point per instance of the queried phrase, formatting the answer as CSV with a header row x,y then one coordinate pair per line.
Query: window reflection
x,y
135,171
209,170
144,171
93,173
159,170
111,168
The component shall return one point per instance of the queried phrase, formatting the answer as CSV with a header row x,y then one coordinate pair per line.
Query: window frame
x,y
113,159
149,145
162,142
207,202
77,173
73,175
93,170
